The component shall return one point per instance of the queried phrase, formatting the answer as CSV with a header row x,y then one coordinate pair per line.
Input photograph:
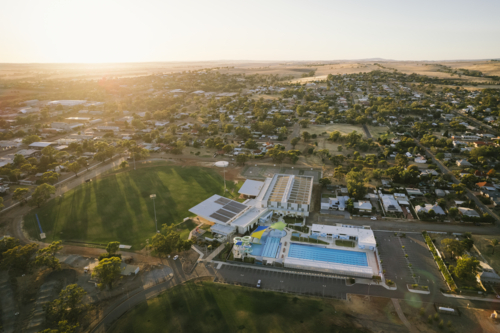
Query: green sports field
x,y
210,307
117,207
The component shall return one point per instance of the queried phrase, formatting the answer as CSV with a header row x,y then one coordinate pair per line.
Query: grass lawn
x,y
117,207
346,243
210,307
380,132
483,244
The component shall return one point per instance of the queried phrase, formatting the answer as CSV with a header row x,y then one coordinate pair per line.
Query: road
x,y
408,225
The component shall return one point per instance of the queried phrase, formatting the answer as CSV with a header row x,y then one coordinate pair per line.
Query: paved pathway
x,y
401,316
215,253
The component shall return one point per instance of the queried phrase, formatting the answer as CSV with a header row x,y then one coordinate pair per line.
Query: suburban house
x,y
425,209
468,212
463,163
363,206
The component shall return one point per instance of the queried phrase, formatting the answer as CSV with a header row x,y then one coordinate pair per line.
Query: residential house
x,y
463,163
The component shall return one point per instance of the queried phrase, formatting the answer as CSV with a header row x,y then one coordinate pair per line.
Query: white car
x,y
176,257
374,218
258,283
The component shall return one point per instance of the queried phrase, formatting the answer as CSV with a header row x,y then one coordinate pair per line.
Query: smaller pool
x,y
309,252
256,249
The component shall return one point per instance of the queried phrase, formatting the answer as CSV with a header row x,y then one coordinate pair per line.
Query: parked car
x,y
373,218
258,283
176,257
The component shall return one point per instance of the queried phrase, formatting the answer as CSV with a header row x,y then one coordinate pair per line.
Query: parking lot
x,y
305,284
396,265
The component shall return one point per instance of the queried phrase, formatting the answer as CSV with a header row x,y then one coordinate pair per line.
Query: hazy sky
x,y
163,30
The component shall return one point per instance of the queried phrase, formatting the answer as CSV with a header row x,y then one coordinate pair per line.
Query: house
x,y
363,206
338,203
390,204
420,160
428,207
479,173
486,186
463,163
40,145
386,183
487,274
439,193
468,212
429,172
414,191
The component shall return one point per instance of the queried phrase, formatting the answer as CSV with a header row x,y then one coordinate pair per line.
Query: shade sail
x,y
259,232
279,225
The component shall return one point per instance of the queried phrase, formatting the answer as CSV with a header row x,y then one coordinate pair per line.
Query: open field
x,y
380,131
342,128
211,307
117,207
492,255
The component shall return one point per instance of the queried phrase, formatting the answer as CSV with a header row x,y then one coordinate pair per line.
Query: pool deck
x,y
370,255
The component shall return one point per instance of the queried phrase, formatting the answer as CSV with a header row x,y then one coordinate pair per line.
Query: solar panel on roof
x,y
236,205
225,213
222,201
219,217
232,208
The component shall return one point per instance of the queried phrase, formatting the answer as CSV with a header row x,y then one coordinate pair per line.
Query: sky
x,y
104,31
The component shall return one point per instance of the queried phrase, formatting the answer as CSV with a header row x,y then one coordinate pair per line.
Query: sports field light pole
x,y
153,196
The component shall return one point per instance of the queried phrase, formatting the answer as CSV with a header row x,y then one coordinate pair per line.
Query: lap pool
x,y
308,252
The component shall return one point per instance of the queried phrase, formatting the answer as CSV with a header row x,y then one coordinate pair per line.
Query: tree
x,y
113,247
241,159
338,173
440,156
453,247
304,123
467,268
442,203
7,243
82,161
74,167
42,193
123,164
294,142
494,242
169,240
47,256
401,160
325,181
50,177
306,136
339,148
356,184
30,139
19,258
453,212
228,148
107,271
68,306
1,202
63,327
251,144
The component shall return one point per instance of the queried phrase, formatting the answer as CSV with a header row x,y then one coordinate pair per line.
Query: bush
x,y
389,282
439,261
422,311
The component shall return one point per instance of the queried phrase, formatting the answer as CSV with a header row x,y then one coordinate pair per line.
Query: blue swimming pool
x,y
309,252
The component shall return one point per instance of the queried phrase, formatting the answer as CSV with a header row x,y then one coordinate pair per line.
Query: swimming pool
x,y
309,252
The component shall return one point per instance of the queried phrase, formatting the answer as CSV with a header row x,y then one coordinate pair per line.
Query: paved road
x,y
331,286
407,225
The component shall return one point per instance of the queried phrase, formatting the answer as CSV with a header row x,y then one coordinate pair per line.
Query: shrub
x,y
441,324
422,311
389,282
